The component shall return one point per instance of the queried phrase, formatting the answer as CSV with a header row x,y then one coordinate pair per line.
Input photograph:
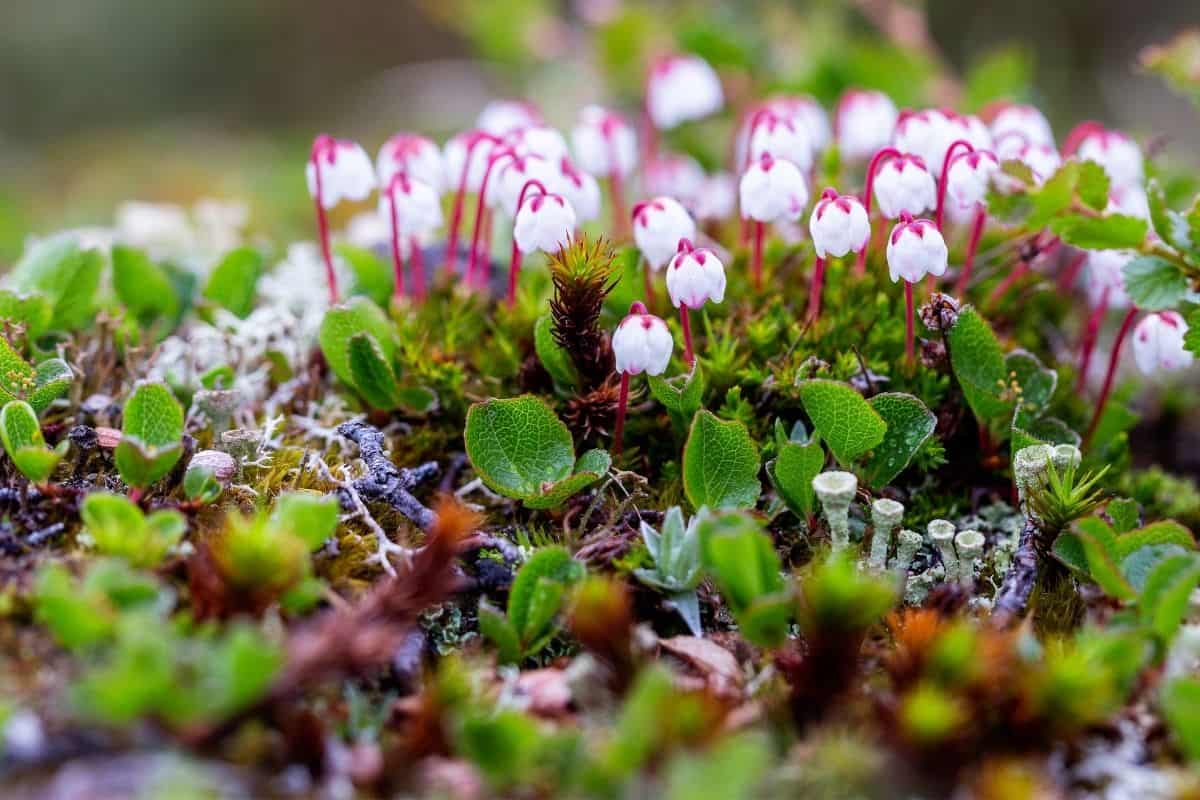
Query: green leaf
x,y
1171,226
720,464
372,276
1154,284
372,375
1191,339
1099,549
1037,383
979,366
32,310
522,450
118,528
1138,565
19,380
494,626
142,286
1093,185
1162,532
1055,195
309,515
359,315
232,283
151,434
1165,597
1180,703
554,358
23,441
531,606
792,471
909,425
1111,232
681,395
51,380
1123,512
68,277
743,562
847,422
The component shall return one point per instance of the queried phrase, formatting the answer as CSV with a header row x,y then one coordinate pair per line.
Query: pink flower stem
x,y
1066,280
398,182
1091,333
417,267
619,425
514,264
481,208
908,321
456,212
1113,360
947,161
759,228
860,266
818,286
964,277
689,354
1019,270
322,149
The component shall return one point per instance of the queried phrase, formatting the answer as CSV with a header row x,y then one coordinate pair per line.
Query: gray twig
x,y
384,481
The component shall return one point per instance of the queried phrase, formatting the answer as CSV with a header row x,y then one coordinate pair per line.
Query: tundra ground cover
x,y
569,469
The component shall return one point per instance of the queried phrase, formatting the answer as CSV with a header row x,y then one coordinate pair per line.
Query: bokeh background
x,y
109,100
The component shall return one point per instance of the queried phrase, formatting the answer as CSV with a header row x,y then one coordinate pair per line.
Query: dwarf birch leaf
x,y
372,374
590,468
51,381
1154,284
792,471
341,322
233,281
1111,232
909,424
518,446
67,276
680,394
840,415
1036,382
32,310
1168,587
720,464
1055,194
1093,185
142,285
978,364
19,426
151,435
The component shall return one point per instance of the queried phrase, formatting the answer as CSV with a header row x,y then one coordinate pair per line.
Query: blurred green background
x,y
109,100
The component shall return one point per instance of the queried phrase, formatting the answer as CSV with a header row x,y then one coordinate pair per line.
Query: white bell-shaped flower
x,y
1116,152
512,172
338,170
716,198
581,190
865,122
1018,126
658,225
930,132
838,225
772,190
418,157
540,140
1158,343
681,89
970,176
811,115
1106,279
500,117
418,208
604,143
642,343
915,249
454,157
674,175
783,137
544,222
695,276
904,184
